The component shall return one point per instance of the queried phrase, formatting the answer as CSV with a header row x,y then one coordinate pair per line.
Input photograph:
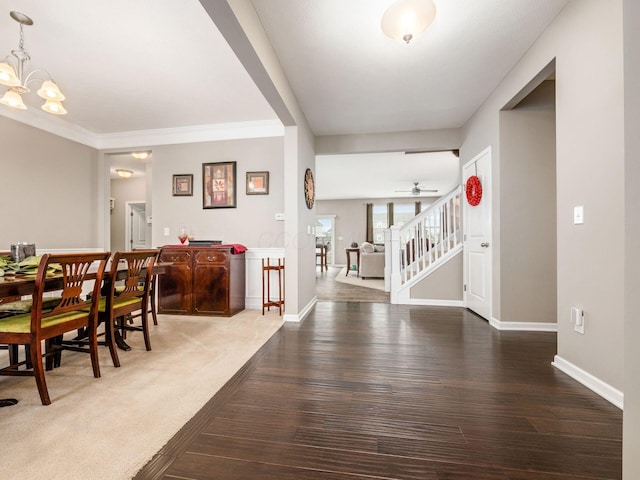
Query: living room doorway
x,y
325,235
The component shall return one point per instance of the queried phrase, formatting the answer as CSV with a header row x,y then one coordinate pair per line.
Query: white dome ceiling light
x,y
406,19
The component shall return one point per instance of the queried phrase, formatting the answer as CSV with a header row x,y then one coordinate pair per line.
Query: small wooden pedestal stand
x,y
266,294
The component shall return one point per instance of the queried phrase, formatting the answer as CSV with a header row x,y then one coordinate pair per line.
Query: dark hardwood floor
x,y
380,391
328,289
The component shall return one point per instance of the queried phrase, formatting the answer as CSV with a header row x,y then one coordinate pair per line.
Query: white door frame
x,y
479,245
129,208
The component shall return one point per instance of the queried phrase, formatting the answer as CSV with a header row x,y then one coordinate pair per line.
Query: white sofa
x,y
371,261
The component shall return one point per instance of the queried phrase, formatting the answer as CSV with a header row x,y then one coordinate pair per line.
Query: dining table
x,y
17,285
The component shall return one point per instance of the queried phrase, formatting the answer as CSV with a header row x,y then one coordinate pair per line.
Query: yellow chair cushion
x,y
22,323
118,302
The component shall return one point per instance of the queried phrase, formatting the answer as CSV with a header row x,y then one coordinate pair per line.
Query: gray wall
x,y
586,42
252,223
443,284
631,432
124,190
48,187
528,209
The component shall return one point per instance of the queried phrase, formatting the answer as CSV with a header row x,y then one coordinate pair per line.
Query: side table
x,y
349,252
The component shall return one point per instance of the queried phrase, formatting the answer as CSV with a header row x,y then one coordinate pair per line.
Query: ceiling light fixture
x,y
140,155
405,19
124,173
13,75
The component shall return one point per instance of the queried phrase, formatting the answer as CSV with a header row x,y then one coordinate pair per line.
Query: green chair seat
x,y
22,323
117,302
24,306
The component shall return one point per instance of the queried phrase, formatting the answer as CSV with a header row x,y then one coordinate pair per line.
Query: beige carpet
x,y
109,427
351,279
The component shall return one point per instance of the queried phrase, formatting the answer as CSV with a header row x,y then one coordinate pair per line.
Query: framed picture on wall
x,y
182,185
257,183
219,185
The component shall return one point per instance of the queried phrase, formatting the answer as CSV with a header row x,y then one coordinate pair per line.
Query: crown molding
x,y
201,133
52,124
144,138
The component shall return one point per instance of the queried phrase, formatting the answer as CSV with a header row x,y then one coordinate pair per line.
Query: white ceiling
x,y
385,175
350,78
140,65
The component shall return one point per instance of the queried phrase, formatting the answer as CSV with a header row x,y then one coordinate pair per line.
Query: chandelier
x,y
14,75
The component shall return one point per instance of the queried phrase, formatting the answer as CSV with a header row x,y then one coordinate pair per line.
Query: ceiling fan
x,y
416,190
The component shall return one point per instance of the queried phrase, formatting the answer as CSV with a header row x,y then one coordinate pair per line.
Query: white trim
x,y
52,124
435,303
40,251
144,138
524,326
201,133
606,391
296,318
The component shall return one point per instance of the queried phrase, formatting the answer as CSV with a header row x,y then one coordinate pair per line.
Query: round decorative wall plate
x,y
309,188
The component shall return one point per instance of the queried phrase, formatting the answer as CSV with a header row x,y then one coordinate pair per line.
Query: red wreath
x,y
474,190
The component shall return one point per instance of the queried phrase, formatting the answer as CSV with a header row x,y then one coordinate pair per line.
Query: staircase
x,y
418,248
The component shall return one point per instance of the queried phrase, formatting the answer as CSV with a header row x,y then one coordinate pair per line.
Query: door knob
x,y
484,244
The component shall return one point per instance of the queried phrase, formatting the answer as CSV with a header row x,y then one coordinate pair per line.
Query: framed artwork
x,y
219,185
257,183
182,185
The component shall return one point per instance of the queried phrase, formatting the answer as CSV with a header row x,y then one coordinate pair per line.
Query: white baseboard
x,y
606,391
435,303
524,326
303,313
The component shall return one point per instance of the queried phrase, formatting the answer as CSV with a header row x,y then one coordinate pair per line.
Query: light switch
x,y
578,215
279,216
166,231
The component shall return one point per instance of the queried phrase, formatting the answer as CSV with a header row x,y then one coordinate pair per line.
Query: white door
x,y
477,238
136,228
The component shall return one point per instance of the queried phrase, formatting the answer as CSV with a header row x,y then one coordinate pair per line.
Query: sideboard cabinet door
x,y
211,282
175,284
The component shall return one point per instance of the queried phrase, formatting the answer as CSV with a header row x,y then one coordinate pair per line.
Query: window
x,y
403,213
380,222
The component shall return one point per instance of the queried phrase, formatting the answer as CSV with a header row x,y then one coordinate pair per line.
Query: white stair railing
x,y
425,242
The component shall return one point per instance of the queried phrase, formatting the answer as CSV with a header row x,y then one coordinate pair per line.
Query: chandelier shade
x,y
13,99
13,74
8,75
50,91
406,19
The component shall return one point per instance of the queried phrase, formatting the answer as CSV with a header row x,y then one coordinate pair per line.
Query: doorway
x,y
528,209
326,235
136,226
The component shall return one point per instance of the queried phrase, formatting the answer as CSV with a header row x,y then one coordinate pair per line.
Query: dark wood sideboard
x,y
208,280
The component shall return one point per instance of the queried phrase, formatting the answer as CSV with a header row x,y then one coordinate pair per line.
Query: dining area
x,y
113,425
78,302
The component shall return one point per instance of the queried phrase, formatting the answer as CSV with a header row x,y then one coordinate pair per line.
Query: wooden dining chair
x,y
128,296
153,310
125,291
71,313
